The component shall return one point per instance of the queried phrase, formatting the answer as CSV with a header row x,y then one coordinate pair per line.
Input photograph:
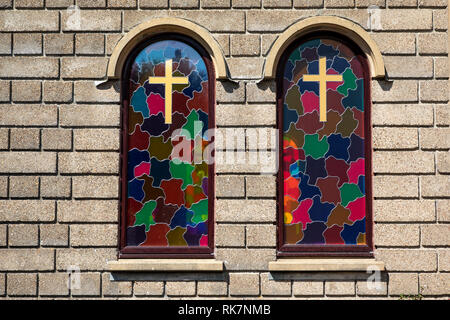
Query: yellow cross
x,y
322,78
168,81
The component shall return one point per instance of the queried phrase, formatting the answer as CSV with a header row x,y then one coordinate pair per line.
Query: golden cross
x,y
168,81
322,78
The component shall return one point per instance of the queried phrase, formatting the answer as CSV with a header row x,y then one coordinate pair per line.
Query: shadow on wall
x,y
229,86
108,84
386,85
275,276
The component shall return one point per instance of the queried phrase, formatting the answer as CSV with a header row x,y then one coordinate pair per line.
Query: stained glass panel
x,y
323,162
167,191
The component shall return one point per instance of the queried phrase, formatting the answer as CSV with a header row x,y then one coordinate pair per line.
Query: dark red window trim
x,y
162,252
284,250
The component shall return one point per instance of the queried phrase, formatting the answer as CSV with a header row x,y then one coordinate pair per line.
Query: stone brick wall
x,y
59,142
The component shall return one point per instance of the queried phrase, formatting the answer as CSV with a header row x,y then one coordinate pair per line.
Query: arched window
x,y
324,188
167,186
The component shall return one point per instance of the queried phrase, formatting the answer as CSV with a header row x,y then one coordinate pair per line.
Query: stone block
x,y
148,288
27,210
395,43
418,115
54,284
396,235
408,259
112,288
88,162
27,43
212,288
260,186
56,139
432,43
246,3
230,186
23,235
83,67
245,115
245,67
261,235
54,235
434,284
30,115
180,288
245,210
28,67
261,92
400,162
153,4
397,91
86,91
89,284
245,45
340,288
88,211
58,91
58,44
434,91
435,235
27,259
409,67
435,186
4,138
29,20
244,284
395,138
230,235
246,259
95,187
435,138
89,43
227,91
98,235
403,284
365,288
89,115
442,210
5,88
25,139
395,186
404,210
21,284
28,162
96,139
308,288
92,259
274,287
26,91
92,20
405,19
5,43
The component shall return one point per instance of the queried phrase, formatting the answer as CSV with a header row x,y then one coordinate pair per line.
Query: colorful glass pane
x,y
323,158
167,190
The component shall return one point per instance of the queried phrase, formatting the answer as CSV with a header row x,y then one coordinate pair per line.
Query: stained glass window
x,y
325,133
168,182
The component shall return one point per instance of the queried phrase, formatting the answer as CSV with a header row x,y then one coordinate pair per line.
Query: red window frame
x,y
289,250
126,252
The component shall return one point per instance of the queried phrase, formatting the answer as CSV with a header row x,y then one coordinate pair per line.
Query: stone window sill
x,y
165,265
323,264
